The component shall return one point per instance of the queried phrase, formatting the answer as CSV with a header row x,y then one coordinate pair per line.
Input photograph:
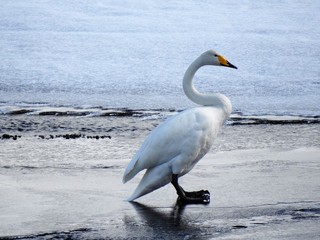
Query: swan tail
x,y
131,170
128,176
153,179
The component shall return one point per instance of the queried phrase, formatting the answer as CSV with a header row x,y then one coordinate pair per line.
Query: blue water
x,y
133,54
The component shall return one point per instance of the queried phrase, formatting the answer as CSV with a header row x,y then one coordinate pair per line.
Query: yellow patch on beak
x,y
223,61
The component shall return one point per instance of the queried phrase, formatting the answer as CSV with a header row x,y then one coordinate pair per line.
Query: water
x,y
133,54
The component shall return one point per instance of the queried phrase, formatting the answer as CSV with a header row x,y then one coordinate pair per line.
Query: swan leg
x,y
199,197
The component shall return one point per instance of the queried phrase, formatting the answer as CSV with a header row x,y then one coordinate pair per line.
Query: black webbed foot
x,y
197,194
203,199
198,197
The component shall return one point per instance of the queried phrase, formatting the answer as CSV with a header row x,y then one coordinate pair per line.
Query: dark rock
x,y
6,136
20,111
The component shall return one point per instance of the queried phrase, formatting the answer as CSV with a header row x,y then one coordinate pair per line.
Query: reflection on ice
x,y
161,223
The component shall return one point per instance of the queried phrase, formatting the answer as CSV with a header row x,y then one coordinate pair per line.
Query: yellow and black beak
x,y
224,62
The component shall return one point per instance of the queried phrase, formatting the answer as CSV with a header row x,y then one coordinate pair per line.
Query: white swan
x,y
175,146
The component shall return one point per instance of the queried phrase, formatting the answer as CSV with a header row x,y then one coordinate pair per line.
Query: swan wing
x,y
181,140
157,148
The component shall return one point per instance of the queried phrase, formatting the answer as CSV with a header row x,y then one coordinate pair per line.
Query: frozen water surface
x,y
263,179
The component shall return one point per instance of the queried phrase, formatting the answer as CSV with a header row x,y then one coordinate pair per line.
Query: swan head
x,y
211,57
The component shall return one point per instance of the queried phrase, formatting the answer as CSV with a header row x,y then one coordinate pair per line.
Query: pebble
x,y
7,136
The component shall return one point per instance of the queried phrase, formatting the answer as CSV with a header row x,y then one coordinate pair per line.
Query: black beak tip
x,y
232,66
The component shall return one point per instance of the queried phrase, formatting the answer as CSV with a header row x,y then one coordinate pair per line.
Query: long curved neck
x,y
213,99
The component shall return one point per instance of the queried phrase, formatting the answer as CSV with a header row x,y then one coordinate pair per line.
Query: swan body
x,y
173,148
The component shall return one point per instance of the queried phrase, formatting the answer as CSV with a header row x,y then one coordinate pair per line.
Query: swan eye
x,y
216,55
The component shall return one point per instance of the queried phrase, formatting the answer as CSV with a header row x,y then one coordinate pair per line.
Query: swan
x,y
174,147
